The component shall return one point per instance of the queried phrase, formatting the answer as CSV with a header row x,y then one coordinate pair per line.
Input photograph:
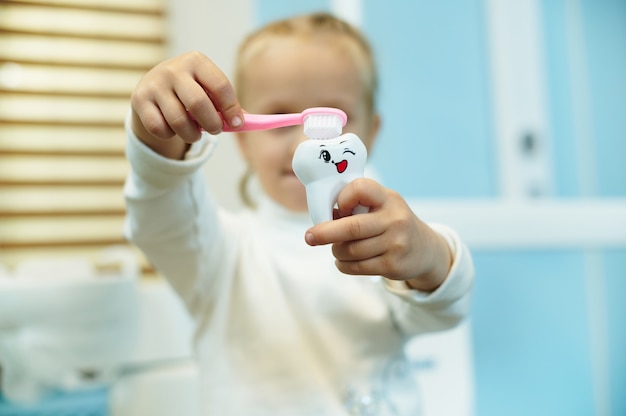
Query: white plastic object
x,y
325,167
66,326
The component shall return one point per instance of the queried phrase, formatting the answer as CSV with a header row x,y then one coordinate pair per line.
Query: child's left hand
x,y
390,240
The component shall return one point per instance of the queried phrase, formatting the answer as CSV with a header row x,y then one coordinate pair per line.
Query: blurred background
x,y
504,119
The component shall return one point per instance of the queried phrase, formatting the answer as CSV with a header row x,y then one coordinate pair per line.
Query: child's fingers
x,y
348,227
356,227
177,118
220,91
182,94
360,192
356,250
152,121
373,266
200,108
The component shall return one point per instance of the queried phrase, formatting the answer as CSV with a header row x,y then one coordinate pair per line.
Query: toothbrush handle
x,y
253,122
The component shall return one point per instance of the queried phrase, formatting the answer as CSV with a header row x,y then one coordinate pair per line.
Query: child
x,y
290,319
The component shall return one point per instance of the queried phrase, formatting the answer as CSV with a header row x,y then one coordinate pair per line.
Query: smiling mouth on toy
x,y
342,166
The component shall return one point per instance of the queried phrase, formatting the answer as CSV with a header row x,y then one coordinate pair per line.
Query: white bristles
x,y
322,126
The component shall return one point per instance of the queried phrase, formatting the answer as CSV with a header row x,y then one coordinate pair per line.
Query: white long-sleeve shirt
x,y
279,330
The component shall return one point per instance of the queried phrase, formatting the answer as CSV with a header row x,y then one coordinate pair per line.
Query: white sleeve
x,y
418,312
172,218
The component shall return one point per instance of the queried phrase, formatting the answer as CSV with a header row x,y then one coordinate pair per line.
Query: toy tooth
x,y
326,163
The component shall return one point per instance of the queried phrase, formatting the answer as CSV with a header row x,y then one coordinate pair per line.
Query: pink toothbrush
x,y
319,122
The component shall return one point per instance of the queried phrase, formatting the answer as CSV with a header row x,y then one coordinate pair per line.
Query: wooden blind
x,y
67,68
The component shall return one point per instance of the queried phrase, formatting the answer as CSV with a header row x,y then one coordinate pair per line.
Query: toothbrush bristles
x,y
322,126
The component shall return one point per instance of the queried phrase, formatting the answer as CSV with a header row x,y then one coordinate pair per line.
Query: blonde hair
x,y
309,26
316,26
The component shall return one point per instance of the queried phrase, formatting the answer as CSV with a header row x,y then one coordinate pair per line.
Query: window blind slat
x,y
61,229
62,169
70,51
53,201
63,109
47,79
72,22
27,138
135,6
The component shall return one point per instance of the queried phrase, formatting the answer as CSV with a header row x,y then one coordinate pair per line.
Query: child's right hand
x,y
177,98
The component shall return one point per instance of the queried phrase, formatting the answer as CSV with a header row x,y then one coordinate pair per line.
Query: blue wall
x,y
605,29
602,83
436,139
530,334
531,313
615,267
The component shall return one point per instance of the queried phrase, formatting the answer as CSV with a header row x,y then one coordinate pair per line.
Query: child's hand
x,y
178,97
389,241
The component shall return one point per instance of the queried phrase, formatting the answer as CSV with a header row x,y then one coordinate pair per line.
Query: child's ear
x,y
372,132
242,144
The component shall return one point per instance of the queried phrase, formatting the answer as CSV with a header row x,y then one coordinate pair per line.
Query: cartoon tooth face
x,y
325,167
317,159
342,165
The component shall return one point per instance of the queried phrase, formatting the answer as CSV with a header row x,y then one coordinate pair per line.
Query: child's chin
x,y
294,185
299,204
296,204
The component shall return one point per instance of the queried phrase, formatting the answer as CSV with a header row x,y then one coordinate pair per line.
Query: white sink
x,y
63,325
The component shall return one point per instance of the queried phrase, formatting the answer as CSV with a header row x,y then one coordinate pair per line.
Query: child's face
x,y
289,76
